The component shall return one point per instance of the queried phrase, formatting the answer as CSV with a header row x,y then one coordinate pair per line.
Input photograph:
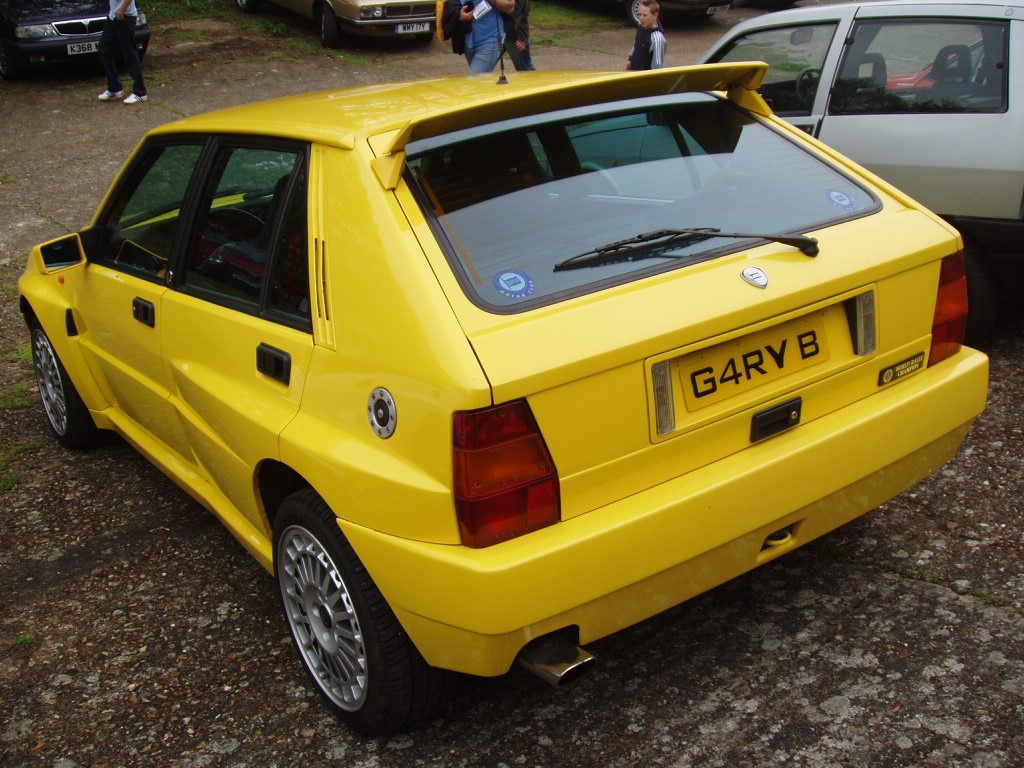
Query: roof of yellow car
x,y
428,107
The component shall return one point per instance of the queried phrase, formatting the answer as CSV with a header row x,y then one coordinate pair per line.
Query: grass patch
x,y
275,29
303,47
173,10
7,483
9,181
351,58
26,640
577,15
192,35
16,397
22,354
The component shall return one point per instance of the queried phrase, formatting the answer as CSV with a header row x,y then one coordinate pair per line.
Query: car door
x,y
237,330
802,57
922,98
118,303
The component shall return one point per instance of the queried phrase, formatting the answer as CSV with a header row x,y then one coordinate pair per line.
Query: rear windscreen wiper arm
x,y
634,247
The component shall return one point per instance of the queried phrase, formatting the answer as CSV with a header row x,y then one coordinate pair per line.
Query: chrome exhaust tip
x,y
555,660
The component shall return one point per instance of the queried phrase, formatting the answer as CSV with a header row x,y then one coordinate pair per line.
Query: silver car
x,y
920,94
367,18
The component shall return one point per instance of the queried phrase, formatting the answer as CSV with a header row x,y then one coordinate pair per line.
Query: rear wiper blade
x,y
634,248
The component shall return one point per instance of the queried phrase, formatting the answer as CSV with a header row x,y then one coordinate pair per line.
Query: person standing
x,y
119,34
517,36
650,44
486,32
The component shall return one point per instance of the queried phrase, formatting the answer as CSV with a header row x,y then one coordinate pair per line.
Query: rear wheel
x,y
350,642
982,295
65,412
633,11
330,34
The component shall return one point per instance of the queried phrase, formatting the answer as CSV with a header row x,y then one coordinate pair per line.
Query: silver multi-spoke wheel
x,y
323,620
51,388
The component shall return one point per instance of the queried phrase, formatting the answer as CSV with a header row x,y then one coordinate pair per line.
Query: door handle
x,y
144,312
274,362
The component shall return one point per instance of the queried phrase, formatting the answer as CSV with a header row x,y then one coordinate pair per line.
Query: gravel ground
x,y
135,631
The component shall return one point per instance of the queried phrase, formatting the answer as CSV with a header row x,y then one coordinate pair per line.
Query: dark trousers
x,y
120,36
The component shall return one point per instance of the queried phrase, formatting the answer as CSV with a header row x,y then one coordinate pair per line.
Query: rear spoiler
x,y
740,82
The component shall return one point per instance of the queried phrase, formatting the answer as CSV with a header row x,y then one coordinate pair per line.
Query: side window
x,y
795,56
929,66
242,203
289,280
140,227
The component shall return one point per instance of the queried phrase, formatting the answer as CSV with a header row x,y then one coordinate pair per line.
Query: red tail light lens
x,y
505,481
950,319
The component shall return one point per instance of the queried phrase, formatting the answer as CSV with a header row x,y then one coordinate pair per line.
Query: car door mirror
x,y
62,253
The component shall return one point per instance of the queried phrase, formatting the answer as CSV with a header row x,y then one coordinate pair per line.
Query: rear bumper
x,y
473,610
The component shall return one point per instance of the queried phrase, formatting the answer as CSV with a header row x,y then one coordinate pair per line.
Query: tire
x,y
8,69
248,6
330,34
350,642
633,11
982,296
65,412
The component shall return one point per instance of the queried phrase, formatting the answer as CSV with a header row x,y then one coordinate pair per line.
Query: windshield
x,y
510,205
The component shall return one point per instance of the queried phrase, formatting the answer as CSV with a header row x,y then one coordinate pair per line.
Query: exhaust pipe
x,y
555,660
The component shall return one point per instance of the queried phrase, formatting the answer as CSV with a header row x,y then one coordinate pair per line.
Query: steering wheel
x,y
235,223
806,83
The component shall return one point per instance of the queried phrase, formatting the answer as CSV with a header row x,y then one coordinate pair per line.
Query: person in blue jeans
x,y
119,34
486,33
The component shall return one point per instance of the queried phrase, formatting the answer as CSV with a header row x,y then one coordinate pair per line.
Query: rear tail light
x,y
505,481
950,319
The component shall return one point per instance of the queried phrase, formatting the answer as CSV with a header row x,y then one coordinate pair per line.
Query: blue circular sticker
x,y
515,285
842,200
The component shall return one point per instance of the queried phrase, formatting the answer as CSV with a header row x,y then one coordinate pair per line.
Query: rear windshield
x,y
511,205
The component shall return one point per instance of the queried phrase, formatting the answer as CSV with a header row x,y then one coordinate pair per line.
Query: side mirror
x,y
61,253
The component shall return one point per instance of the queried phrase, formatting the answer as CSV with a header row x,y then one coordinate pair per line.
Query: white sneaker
x,y
109,95
134,98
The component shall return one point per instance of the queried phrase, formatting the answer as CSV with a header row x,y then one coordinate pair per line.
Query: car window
x,y
795,55
507,218
243,200
289,282
894,66
140,228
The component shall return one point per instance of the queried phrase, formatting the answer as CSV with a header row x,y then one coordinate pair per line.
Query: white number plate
x,y
405,29
74,48
717,9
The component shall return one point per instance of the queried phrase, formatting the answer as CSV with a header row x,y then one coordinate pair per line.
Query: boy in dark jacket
x,y
650,44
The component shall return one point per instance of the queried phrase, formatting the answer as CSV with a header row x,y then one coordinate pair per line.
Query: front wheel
x,y
8,69
352,646
248,6
330,34
65,412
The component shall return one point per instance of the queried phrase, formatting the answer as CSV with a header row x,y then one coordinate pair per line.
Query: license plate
x,y
717,9
76,48
406,29
734,367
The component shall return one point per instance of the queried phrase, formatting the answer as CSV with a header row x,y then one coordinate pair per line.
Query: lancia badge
x,y
756,277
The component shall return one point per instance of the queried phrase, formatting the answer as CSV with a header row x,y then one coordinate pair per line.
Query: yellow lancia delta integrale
x,y
484,372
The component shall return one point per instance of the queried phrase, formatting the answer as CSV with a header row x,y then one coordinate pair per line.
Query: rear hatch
x,y
645,351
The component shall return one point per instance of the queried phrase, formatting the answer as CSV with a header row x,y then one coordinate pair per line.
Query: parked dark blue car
x,y
40,33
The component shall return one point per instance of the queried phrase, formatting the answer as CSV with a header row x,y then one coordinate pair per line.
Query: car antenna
x,y
502,80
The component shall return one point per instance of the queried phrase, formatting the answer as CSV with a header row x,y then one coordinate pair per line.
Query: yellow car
x,y
484,372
